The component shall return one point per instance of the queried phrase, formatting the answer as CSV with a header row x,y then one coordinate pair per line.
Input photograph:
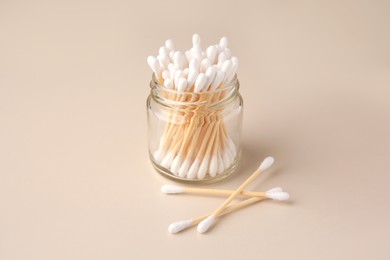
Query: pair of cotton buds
x,y
206,221
194,70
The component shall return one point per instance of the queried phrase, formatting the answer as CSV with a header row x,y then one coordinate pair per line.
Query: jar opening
x,y
210,99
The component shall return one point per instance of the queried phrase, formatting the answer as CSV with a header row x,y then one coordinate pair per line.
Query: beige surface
x,y
75,180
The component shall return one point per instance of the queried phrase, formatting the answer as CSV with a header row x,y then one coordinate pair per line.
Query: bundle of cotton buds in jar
x,y
194,112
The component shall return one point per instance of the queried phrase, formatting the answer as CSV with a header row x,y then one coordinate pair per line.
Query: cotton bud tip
x,y
196,40
278,195
171,189
206,224
179,226
266,163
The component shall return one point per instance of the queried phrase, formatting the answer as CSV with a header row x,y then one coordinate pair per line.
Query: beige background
x,y
75,180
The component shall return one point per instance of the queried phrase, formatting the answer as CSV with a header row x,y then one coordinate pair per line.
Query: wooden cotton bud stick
x,y
173,189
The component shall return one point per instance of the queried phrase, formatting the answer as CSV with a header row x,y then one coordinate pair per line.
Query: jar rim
x,y
234,83
160,94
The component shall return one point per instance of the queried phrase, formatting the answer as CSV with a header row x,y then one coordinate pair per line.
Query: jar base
x,y
207,180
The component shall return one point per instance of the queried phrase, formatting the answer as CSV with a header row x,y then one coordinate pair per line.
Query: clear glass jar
x,y
195,137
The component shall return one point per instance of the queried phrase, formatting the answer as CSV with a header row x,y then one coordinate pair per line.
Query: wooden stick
x,y
221,192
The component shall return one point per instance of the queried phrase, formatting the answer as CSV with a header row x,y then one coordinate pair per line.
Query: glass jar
x,y
195,137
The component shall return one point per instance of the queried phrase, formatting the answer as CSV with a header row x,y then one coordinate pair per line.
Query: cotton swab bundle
x,y
195,143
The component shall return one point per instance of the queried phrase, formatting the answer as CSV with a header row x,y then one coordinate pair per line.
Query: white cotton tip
x,y
211,72
213,167
153,64
232,72
158,155
179,226
182,85
226,67
267,162
170,55
221,165
211,54
202,171
175,166
163,60
228,53
223,42
188,55
171,66
278,195
206,224
186,72
179,59
227,161
221,58
196,52
171,189
204,65
200,82
194,64
192,76
232,147
276,189
196,40
217,80
178,75
234,59
185,166
193,169
165,74
168,83
167,161
170,45
172,73
163,51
